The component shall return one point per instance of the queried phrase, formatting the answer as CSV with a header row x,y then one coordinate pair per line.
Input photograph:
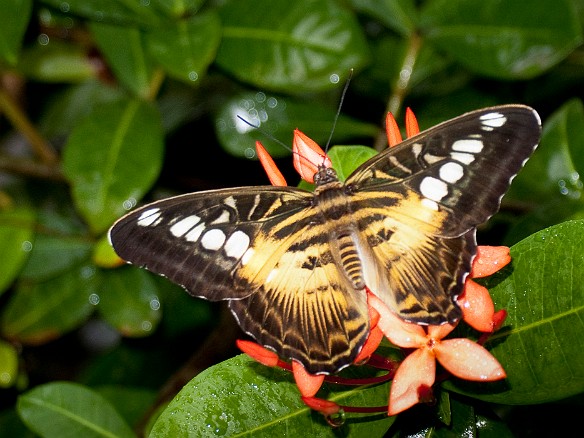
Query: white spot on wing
x,y
237,244
272,275
451,172
223,218
462,157
213,239
230,201
183,226
247,256
194,234
493,120
434,189
468,145
150,217
428,203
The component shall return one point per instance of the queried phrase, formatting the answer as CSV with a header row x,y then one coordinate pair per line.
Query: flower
x,y
415,376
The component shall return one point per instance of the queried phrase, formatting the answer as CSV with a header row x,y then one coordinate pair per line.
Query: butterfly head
x,y
325,175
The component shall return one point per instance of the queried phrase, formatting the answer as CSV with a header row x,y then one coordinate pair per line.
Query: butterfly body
x,y
295,265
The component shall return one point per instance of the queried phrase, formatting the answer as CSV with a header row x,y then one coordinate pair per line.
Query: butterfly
x,y
294,265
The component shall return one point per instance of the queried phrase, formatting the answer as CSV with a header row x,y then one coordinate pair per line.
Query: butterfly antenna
x,y
336,119
265,133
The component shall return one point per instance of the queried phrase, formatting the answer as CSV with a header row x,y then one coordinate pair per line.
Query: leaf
x,y
539,345
112,158
131,403
129,301
13,23
187,46
55,61
346,159
41,311
16,237
60,409
178,8
293,47
398,15
107,11
241,397
125,51
278,116
8,364
503,38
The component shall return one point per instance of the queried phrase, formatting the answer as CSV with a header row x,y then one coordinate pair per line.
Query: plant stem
x,y
20,121
401,84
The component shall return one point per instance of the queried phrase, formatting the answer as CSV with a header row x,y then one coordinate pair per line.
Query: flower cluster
x,y
413,378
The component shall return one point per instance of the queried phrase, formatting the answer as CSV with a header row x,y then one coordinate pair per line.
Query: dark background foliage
x,y
108,104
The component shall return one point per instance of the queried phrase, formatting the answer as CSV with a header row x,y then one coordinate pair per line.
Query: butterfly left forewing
x,y
436,188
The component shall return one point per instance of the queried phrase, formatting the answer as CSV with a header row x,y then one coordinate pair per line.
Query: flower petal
x,y
438,332
307,383
307,156
412,127
400,333
393,135
468,360
274,174
373,340
416,372
489,260
477,306
258,353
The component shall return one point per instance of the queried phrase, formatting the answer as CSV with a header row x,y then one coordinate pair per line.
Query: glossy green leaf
x,y
503,38
53,255
54,61
112,158
108,11
8,364
13,22
125,51
540,344
294,47
346,159
41,311
278,117
129,301
16,237
398,15
244,398
63,409
186,47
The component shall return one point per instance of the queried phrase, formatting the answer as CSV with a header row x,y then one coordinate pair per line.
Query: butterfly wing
x,y
260,248
421,201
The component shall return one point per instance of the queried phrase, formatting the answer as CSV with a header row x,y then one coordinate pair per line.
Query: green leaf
x,y
130,402
129,301
279,117
16,236
13,23
294,47
186,47
540,345
398,15
112,158
8,364
503,38
346,159
41,311
55,61
125,51
63,409
244,398
120,11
